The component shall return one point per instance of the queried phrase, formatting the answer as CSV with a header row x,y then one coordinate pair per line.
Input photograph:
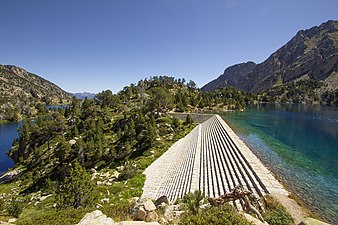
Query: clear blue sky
x,y
84,45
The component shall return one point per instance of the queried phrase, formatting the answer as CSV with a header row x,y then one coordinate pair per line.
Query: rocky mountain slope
x,y
20,91
83,95
310,55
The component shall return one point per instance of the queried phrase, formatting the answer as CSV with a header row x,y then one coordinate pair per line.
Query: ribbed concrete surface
x,y
211,158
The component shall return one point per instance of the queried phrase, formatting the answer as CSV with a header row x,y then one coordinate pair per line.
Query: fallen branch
x,y
237,193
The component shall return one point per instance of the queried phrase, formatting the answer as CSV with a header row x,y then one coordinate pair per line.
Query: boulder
x,y
12,220
95,218
139,213
149,205
160,200
151,217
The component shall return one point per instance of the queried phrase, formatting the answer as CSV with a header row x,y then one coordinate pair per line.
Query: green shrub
x,y
192,201
76,190
189,120
14,208
276,213
2,204
119,211
224,214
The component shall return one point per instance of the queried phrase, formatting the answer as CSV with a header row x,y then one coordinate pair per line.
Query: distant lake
x,y
299,144
8,131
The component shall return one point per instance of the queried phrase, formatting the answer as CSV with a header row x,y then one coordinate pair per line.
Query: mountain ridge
x,y
21,90
310,54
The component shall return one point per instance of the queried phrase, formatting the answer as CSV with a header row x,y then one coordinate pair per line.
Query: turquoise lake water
x,y
299,144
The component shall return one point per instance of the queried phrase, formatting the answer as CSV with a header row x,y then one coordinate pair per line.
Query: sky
x,y
83,45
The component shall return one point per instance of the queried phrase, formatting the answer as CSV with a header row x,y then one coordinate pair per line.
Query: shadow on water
x,y
8,131
299,144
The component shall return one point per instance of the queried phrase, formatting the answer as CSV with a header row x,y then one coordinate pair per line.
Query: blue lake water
x,y
8,131
299,144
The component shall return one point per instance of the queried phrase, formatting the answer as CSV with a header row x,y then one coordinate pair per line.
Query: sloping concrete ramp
x,y
211,158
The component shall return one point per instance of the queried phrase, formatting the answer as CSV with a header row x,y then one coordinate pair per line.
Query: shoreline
x,y
276,188
263,174
311,211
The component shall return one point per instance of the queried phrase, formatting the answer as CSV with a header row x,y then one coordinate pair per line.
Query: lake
x,y
298,143
8,131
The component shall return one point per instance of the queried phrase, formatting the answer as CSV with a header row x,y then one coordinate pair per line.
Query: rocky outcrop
x,y
233,76
144,210
311,53
96,218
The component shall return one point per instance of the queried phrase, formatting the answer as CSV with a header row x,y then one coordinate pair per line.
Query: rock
x,y
115,174
152,217
72,142
95,218
254,220
149,205
139,213
44,197
136,223
160,200
12,220
172,212
135,199
311,221
104,200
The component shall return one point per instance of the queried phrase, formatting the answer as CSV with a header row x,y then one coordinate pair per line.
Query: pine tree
x,y
76,190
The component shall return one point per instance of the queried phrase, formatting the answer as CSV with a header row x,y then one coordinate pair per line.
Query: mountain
x,y
83,95
310,55
20,91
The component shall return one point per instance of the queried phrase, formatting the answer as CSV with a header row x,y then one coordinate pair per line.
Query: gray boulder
x,y
139,213
96,218
149,206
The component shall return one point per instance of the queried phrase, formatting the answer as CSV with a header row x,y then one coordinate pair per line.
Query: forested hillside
x,y
21,91
114,137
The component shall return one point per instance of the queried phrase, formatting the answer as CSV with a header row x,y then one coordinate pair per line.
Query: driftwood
x,y
237,193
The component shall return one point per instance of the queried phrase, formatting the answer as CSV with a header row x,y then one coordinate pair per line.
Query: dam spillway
x,y
212,159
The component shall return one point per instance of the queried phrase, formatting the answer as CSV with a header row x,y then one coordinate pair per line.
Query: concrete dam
x,y
213,159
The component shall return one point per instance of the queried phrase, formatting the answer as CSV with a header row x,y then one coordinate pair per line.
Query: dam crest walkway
x,y
211,158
